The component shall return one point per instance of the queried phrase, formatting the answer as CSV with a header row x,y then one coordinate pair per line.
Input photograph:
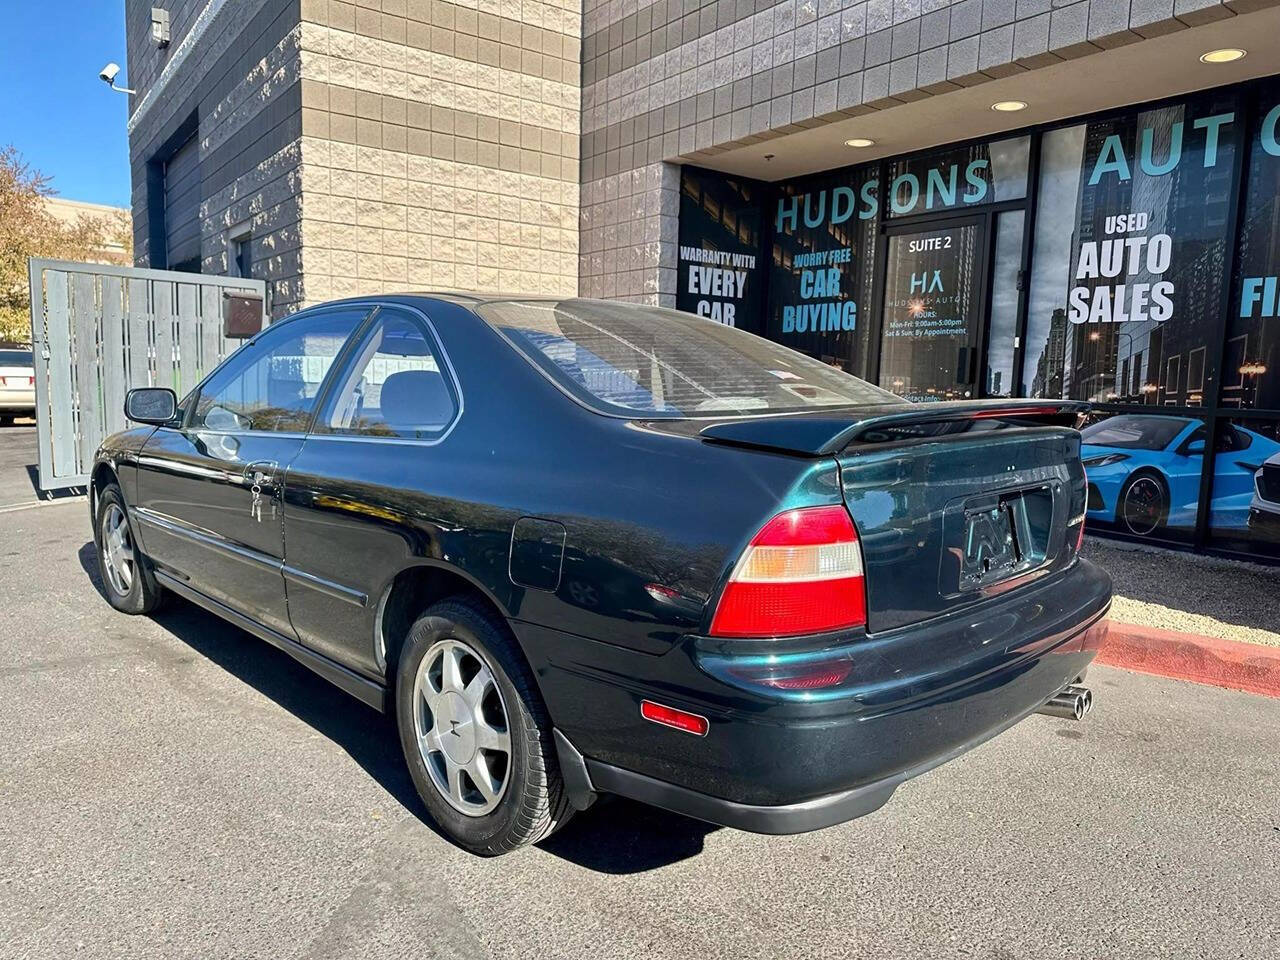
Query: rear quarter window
x,y
631,360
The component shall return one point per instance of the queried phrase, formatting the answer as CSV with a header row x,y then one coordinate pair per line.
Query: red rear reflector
x,y
671,717
802,573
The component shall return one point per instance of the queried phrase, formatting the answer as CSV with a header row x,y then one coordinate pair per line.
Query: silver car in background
x,y
1264,511
17,385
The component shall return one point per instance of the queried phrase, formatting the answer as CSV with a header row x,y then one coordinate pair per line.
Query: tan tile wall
x,y
440,146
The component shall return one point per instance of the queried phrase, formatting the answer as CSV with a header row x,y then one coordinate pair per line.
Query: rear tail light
x,y
802,573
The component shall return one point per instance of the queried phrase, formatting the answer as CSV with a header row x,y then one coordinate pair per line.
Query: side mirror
x,y
154,405
1195,448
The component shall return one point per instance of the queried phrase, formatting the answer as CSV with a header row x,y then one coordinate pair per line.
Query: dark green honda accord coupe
x,y
581,547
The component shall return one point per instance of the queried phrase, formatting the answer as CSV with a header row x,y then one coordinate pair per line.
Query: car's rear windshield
x,y
1136,433
15,358
630,360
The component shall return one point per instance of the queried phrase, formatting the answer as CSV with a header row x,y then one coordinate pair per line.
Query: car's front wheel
x,y
475,731
126,575
1144,504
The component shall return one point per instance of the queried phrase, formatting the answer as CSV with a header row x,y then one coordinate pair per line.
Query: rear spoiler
x,y
830,432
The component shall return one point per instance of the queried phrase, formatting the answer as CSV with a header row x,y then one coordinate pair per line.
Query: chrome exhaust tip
x,y
1071,703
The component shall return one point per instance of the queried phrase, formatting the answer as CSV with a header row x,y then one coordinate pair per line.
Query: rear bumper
x,y
918,697
591,776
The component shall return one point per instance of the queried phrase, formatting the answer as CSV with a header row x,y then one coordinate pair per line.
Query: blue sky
x,y
53,108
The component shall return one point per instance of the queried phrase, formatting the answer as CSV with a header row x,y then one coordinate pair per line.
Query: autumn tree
x,y
28,229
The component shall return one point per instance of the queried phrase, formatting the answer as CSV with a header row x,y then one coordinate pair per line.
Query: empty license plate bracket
x,y
990,551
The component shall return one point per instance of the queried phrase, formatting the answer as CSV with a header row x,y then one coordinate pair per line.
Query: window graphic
x,y
720,269
1130,248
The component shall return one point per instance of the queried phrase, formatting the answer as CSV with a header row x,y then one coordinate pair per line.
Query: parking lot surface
x,y
172,787
17,460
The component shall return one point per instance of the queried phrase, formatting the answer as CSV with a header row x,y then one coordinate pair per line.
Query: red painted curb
x,y
1187,656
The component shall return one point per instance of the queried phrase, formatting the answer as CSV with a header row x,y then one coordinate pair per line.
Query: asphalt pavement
x,y
172,787
17,464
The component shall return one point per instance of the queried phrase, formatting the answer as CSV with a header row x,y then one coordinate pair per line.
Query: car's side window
x,y
395,385
274,383
1231,440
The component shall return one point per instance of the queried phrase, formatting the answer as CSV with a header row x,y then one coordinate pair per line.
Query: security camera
x,y
108,76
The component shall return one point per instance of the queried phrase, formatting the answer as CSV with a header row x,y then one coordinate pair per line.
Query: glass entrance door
x,y
933,307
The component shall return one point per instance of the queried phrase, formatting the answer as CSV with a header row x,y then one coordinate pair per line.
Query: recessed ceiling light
x,y
1009,106
1225,55
859,142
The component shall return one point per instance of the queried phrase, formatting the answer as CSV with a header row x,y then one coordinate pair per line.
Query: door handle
x,y
260,477
261,473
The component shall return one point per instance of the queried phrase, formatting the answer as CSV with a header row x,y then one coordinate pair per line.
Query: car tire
x,y
460,665
127,578
1143,504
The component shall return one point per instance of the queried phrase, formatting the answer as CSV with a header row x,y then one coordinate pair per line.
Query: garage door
x,y
182,207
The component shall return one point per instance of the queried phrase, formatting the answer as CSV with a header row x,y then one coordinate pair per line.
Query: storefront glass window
x,y
1251,362
1003,328
720,273
1245,512
1130,254
823,267
968,176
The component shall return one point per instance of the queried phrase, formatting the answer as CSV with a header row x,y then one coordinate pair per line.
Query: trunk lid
x,y
954,502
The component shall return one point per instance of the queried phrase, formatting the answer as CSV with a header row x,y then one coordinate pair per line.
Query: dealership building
x,y
978,198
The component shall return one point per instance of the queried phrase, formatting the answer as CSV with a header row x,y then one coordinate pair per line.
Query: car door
x,y
209,491
354,512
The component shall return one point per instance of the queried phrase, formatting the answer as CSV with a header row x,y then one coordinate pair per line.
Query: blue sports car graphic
x,y
1144,471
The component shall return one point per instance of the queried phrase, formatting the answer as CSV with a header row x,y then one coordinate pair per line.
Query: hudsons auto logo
x,y
941,188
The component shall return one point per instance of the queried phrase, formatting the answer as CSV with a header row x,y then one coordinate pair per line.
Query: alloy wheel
x,y
120,564
460,723
1143,505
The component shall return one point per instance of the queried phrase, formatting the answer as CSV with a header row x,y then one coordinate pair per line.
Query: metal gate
x,y
97,331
